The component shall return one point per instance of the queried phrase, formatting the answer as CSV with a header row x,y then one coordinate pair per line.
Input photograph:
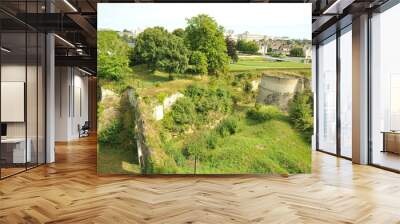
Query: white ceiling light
x,y
65,41
338,6
70,5
5,50
86,72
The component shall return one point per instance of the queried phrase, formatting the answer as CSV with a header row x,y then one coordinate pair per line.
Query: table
x,y
13,150
391,141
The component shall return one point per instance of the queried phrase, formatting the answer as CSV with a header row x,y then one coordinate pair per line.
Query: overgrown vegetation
x,y
117,137
246,139
197,108
110,134
301,113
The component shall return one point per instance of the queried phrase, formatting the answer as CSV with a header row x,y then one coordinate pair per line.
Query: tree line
x,y
199,48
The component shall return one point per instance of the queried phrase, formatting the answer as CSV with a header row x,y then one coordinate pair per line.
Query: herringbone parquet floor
x,y
69,191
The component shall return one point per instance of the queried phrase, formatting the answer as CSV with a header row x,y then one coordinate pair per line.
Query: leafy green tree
x,y
248,47
112,56
231,49
198,63
297,52
205,35
161,50
179,32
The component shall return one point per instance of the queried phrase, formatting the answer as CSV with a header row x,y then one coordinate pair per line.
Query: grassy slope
x,y
114,160
254,63
268,147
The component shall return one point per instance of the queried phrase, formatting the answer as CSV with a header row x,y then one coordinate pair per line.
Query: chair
x,y
84,130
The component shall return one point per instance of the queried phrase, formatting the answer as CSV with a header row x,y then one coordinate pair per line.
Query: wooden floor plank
x,y
70,191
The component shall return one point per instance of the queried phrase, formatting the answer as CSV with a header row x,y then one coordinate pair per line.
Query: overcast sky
x,y
292,20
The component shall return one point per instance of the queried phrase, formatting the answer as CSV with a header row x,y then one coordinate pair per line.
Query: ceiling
x,y
332,15
75,21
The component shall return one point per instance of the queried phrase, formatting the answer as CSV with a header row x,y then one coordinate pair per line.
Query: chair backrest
x,y
86,125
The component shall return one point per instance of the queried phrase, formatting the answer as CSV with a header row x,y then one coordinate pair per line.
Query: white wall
x,y
33,126
327,96
385,74
71,87
346,76
62,82
314,90
15,73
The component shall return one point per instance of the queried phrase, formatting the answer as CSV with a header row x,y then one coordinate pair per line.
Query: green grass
x,y
116,160
270,147
117,151
258,63
253,58
146,77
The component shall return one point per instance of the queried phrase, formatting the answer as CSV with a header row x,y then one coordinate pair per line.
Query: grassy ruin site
x,y
251,145
171,105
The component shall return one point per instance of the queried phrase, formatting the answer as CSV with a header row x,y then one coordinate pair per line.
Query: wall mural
x,y
204,89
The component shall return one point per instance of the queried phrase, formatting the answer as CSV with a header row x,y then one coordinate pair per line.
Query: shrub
x,y
301,112
211,141
195,149
262,113
169,124
183,111
228,127
111,134
247,87
297,52
161,97
195,107
209,99
235,83
277,55
249,47
244,75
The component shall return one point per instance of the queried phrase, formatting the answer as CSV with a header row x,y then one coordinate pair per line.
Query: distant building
x,y
130,35
262,40
137,31
278,45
